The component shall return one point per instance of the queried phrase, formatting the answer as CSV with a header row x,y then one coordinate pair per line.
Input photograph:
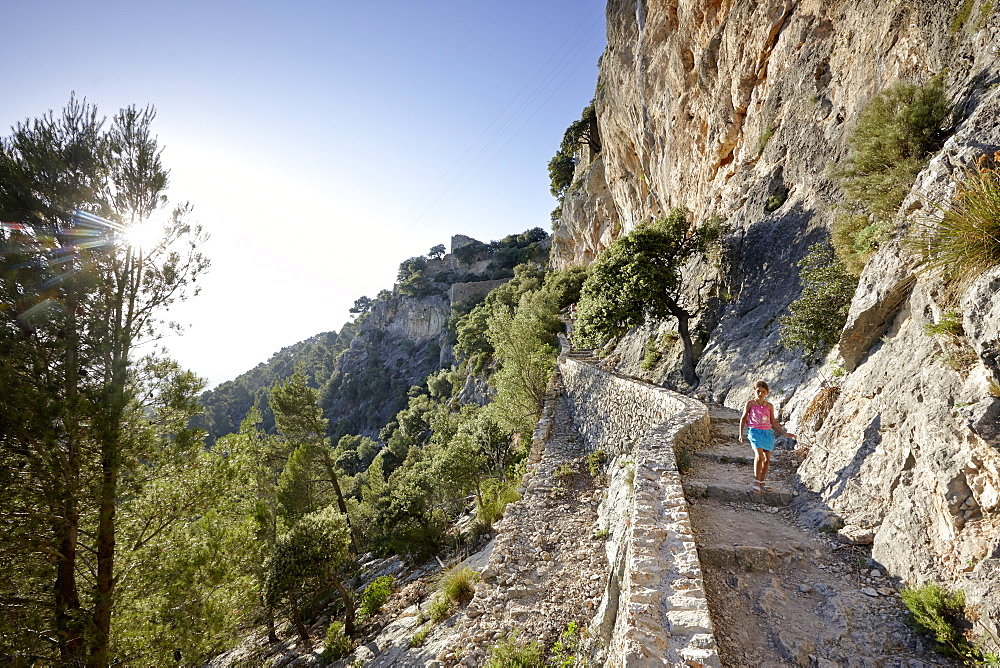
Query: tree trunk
x,y
341,503
348,606
116,399
104,593
299,626
272,634
687,357
67,600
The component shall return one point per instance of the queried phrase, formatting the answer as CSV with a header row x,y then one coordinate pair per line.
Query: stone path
x,y
781,594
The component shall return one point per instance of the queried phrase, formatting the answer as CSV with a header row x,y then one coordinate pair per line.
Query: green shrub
x,y
336,645
510,653
685,460
376,594
967,240
894,136
961,16
596,461
940,613
764,138
956,353
458,584
817,317
949,325
655,347
440,608
653,354
418,638
496,494
563,473
774,202
855,237
565,649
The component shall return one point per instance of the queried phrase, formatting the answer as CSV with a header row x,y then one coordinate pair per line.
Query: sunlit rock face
x,y
737,110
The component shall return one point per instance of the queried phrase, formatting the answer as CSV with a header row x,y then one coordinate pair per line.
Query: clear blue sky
x,y
321,143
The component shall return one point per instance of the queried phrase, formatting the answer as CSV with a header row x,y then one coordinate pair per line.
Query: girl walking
x,y
759,413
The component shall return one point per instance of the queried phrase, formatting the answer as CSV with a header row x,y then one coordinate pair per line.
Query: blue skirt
x,y
762,438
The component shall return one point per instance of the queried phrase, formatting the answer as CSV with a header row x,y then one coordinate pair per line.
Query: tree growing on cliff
x,y
563,164
639,277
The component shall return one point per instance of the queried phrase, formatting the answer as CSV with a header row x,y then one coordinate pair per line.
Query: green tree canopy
x,y
638,277
79,296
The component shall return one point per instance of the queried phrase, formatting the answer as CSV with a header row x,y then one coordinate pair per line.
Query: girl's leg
x,y
766,455
759,464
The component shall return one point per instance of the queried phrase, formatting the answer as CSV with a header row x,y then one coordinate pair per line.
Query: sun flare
x,y
143,235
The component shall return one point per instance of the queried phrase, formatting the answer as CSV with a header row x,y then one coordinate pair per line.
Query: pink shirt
x,y
759,417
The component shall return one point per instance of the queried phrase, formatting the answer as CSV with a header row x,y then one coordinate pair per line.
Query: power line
x,y
565,61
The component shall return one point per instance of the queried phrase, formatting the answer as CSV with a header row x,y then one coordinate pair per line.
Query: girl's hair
x,y
762,384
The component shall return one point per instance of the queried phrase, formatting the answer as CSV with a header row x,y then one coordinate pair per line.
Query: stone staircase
x,y
781,594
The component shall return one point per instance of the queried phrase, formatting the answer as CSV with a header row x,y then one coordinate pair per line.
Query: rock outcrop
x,y
736,110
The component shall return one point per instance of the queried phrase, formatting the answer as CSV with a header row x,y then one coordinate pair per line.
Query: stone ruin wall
x,y
654,608
459,292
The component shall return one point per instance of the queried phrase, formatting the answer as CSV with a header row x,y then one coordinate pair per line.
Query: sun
x,y
144,235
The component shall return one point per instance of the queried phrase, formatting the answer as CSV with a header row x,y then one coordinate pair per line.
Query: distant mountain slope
x,y
365,370
227,405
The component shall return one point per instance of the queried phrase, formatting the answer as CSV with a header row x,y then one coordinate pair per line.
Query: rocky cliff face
x,y
718,106
398,344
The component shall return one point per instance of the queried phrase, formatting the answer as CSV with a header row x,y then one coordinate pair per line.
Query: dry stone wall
x,y
654,609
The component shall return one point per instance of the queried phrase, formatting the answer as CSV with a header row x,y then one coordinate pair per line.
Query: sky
x,y
320,143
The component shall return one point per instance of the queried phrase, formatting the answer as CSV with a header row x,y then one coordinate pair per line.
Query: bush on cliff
x,y
895,135
816,318
941,614
966,241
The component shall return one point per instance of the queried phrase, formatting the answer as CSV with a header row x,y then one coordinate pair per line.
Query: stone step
x,y
721,415
733,492
748,557
729,453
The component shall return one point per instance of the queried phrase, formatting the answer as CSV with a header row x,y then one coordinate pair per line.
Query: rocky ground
x,y
781,593
548,568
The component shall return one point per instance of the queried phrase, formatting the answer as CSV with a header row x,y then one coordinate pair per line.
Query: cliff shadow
x,y
762,281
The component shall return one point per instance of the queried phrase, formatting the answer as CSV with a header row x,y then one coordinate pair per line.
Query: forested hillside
x,y
229,403
364,371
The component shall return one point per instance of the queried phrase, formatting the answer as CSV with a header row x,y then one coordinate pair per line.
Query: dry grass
x,y
820,407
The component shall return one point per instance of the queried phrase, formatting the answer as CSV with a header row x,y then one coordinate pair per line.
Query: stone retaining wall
x,y
654,610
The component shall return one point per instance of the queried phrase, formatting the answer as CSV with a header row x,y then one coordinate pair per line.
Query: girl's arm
x,y
743,421
774,423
